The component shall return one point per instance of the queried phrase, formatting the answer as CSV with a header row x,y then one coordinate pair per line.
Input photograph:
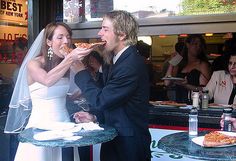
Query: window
x,y
92,10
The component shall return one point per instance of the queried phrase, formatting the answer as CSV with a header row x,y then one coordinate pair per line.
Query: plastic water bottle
x,y
193,122
195,98
227,114
205,99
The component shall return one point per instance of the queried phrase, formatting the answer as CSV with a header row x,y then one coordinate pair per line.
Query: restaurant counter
x,y
175,116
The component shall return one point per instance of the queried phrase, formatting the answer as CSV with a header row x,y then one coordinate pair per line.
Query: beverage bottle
x,y
227,114
205,99
195,99
193,122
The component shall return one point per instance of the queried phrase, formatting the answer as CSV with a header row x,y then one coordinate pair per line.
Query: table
x,y
89,138
180,143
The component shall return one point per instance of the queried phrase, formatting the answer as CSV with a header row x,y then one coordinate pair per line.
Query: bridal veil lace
x,y
20,104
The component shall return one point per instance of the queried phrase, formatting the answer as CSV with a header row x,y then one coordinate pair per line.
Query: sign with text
x,y
8,34
12,32
15,11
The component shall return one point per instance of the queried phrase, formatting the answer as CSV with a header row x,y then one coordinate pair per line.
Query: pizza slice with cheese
x,y
66,49
89,45
172,103
216,138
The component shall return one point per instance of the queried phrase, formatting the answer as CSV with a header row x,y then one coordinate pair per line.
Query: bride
x,y
40,92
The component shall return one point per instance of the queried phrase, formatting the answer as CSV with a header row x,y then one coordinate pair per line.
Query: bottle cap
x,y
193,111
228,110
196,90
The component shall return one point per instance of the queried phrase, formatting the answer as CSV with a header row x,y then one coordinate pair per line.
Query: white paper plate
x,y
176,59
218,105
199,140
52,135
55,125
89,126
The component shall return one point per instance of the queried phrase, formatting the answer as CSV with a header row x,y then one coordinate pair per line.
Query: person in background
x,y
171,91
220,62
43,80
94,64
20,48
194,68
222,85
178,48
232,120
145,50
124,98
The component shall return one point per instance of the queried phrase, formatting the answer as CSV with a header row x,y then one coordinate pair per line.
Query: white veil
x,y
20,105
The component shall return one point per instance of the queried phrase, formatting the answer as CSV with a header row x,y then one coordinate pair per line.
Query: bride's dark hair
x,y
48,34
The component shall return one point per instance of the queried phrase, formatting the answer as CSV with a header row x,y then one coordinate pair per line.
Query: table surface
x,y
181,143
88,138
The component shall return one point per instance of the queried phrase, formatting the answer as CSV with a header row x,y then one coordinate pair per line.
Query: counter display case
x,y
177,116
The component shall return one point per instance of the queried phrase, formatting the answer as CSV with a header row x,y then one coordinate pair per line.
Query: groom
x,y
123,98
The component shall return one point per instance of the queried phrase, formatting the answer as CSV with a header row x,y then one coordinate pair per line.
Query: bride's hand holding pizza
x,y
79,53
76,54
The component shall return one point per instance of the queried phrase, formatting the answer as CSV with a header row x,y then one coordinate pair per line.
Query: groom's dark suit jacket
x,y
123,99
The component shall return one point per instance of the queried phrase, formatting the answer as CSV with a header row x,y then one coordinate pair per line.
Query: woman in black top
x,y
194,68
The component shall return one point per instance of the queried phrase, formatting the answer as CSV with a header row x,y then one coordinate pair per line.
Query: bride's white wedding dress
x,y
48,104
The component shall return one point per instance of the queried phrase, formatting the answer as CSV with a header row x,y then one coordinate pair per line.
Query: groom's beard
x,y
107,56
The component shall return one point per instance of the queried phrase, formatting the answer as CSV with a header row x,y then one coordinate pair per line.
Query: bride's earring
x,y
50,53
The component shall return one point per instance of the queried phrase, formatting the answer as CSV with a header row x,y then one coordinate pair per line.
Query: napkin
x,y
54,125
85,127
175,60
52,135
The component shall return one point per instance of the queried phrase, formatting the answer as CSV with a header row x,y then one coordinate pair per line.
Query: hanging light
x,y
162,36
208,34
183,35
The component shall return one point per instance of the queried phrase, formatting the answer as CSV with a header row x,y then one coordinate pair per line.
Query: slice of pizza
x,y
66,49
172,103
89,45
216,138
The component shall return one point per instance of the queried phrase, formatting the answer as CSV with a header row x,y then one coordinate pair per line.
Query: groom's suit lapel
x,y
109,68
